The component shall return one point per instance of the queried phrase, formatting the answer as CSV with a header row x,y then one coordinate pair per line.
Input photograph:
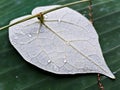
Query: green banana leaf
x,y
17,74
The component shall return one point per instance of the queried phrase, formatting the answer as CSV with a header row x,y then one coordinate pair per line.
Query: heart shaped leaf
x,y
65,43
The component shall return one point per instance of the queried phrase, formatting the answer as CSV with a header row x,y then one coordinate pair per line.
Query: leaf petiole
x,y
42,13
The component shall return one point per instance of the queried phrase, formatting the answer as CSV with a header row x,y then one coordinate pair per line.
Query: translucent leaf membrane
x,y
66,43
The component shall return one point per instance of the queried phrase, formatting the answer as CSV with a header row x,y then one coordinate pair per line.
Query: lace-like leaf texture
x,y
66,43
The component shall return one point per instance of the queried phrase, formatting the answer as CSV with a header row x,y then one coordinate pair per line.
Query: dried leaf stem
x,y
42,13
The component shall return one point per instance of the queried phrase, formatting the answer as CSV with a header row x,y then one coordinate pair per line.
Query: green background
x,y
17,74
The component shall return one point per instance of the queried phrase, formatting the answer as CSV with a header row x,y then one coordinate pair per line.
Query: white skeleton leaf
x,y
66,43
